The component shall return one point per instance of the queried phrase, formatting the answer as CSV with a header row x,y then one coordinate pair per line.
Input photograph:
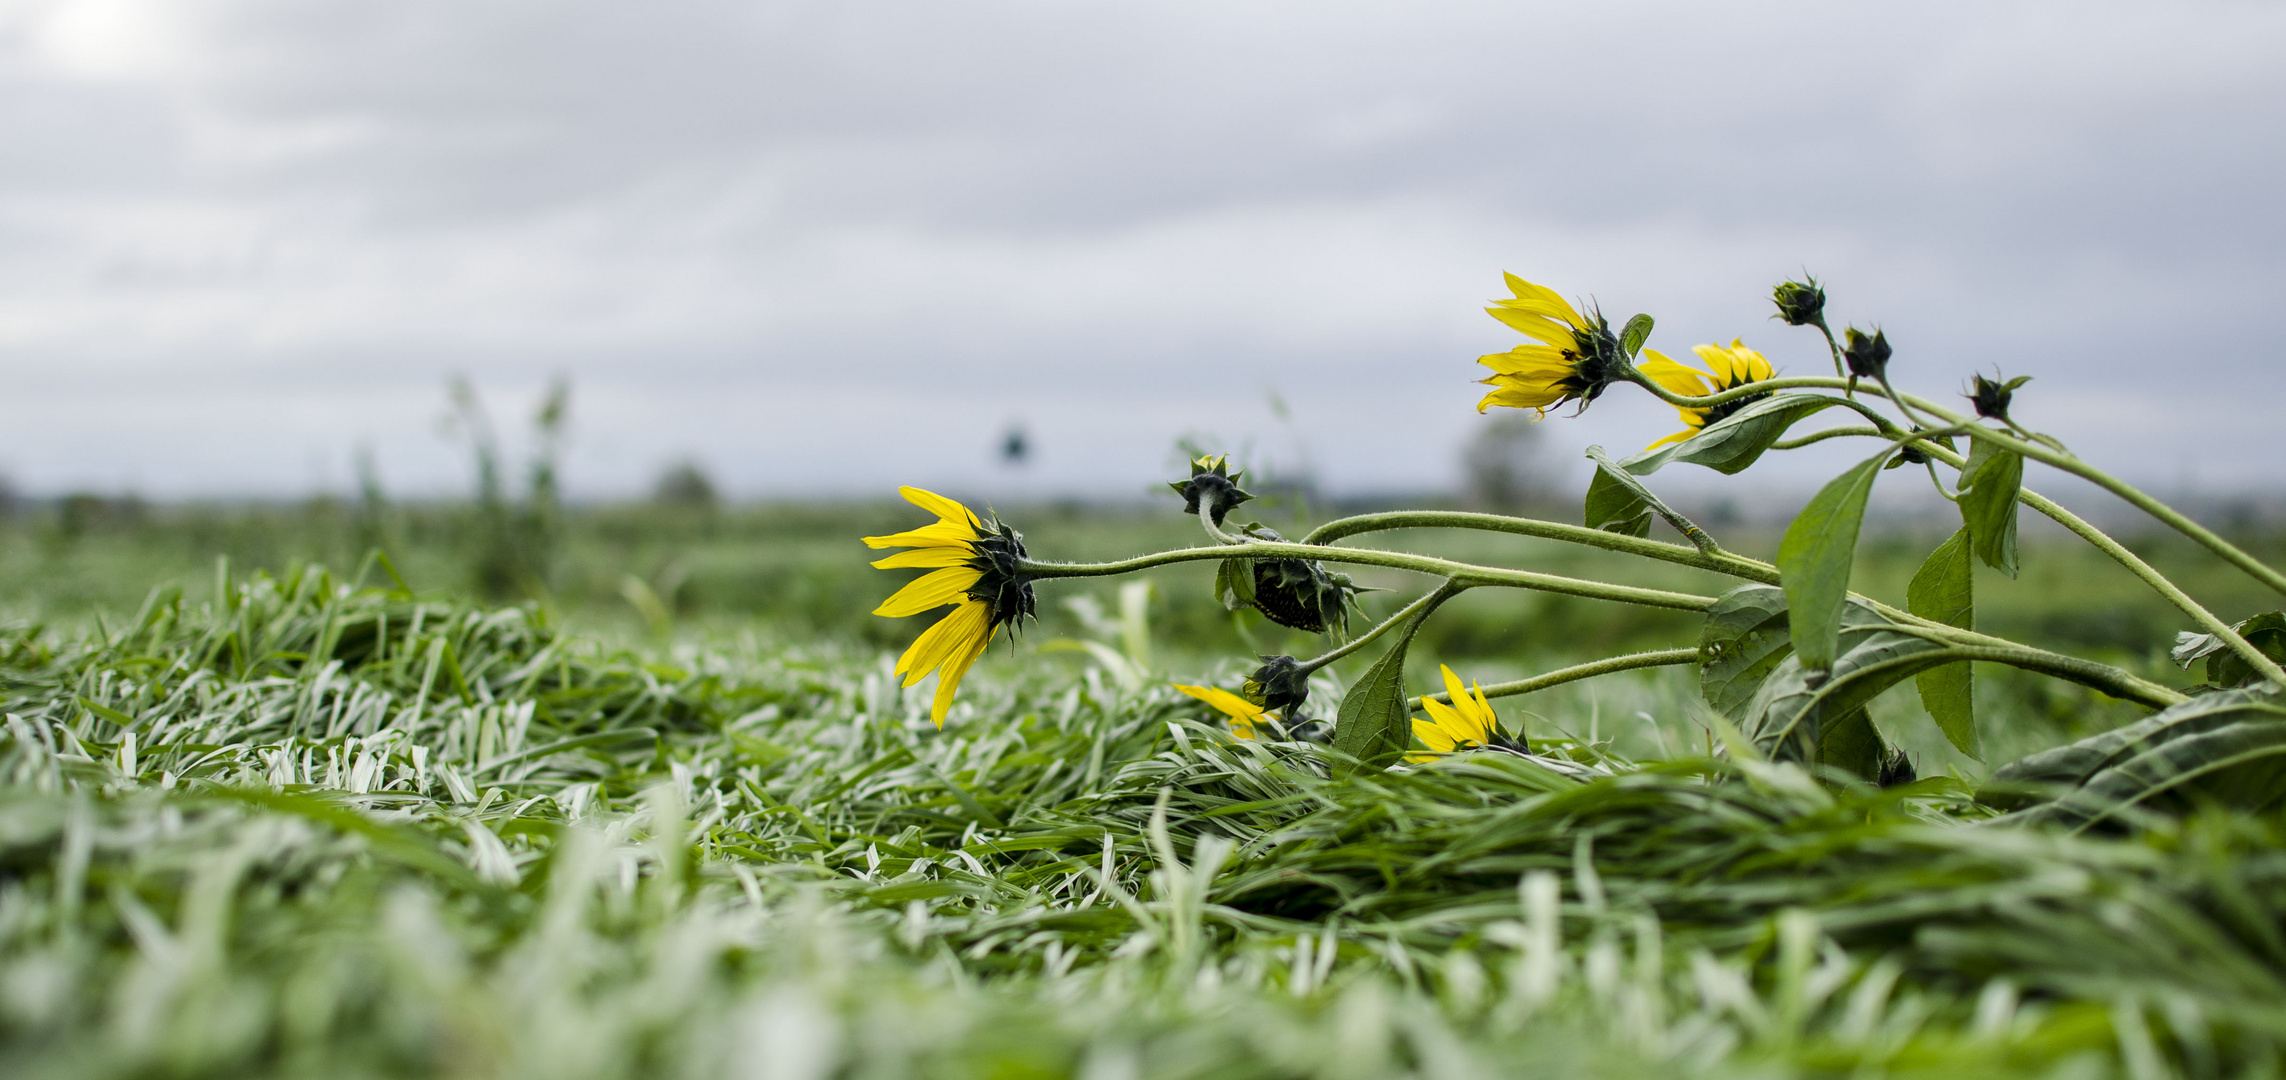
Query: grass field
x,y
270,821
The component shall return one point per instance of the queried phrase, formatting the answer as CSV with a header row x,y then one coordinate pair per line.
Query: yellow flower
x,y
1467,724
977,566
1242,713
1728,368
1576,357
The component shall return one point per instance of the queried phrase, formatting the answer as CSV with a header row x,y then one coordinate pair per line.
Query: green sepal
x,y
1815,557
1944,590
1990,482
1637,331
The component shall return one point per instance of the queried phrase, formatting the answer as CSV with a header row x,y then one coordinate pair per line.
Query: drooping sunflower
x,y
976,565
1243,714
1467,724
1577,355
1728,368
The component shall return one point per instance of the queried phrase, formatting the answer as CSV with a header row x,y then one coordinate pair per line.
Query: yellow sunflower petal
x,y
931,590
1675,438
1526,290
1227,703
949,635
927,556
948,509
1675,377
956,665
940,534
1453,687
1534,325
1538,361
1433,736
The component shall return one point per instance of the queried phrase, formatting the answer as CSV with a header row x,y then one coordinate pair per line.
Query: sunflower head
x,y
976,565
1280,683
1800,303
1575,358
1212,486
1467,724
1867,357
1300,593
1991,396
1728,368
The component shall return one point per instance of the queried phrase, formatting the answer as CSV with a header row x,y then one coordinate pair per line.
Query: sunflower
x,y
1729,368
977,566
1467,724
1243,713
1577,356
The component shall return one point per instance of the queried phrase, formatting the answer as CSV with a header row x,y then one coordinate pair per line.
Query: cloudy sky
x,y
830,247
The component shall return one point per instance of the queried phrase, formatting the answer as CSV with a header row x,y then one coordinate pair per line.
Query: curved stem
x,y
1721,562
1821,436
1465,573
1422,605
1576,672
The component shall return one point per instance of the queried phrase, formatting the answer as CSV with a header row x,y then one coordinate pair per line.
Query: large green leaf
x,y
1815,557
1615,503
1990,481
1374,725
1731,444
1944,590
2225,668
1750,674
2226,748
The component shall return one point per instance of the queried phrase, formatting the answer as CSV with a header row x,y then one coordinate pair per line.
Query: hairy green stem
x,y
1721,562
1820,436
1465,573
1576,672
1426,603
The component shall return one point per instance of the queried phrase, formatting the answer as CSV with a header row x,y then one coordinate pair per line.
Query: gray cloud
x,y
837,246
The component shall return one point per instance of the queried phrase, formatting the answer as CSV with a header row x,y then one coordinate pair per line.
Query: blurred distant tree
x,y
1505,467
1016,445
685,484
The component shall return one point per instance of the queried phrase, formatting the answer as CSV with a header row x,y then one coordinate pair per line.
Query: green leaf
x,y
1638,331
2227,748
2225,668
1815,556
1731,444
1851,744
1989,483
1944,590
1616,502
1234,583
1751,675
1374,725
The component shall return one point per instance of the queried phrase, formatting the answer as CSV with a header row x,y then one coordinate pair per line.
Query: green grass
x,y
289,826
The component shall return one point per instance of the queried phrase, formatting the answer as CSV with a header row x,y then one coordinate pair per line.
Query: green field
x,y
661,810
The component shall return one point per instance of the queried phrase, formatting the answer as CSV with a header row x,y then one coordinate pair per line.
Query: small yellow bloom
x,y
1728,368
974,565
1467,724
1576,357
1243,713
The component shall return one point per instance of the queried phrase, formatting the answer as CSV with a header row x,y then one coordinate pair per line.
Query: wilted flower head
x,y
1299,593
1800,303
1867,357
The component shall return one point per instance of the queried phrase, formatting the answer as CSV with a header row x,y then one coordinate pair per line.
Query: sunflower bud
x,y
1280,683
1867,357
1800,303
1991,396
1213,486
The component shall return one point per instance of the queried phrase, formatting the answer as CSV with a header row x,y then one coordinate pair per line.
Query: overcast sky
x,y
838,246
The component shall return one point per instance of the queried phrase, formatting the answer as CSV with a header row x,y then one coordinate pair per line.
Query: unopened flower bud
x,y
1867,357
1213,486
1280,683
1800,303
1991,396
